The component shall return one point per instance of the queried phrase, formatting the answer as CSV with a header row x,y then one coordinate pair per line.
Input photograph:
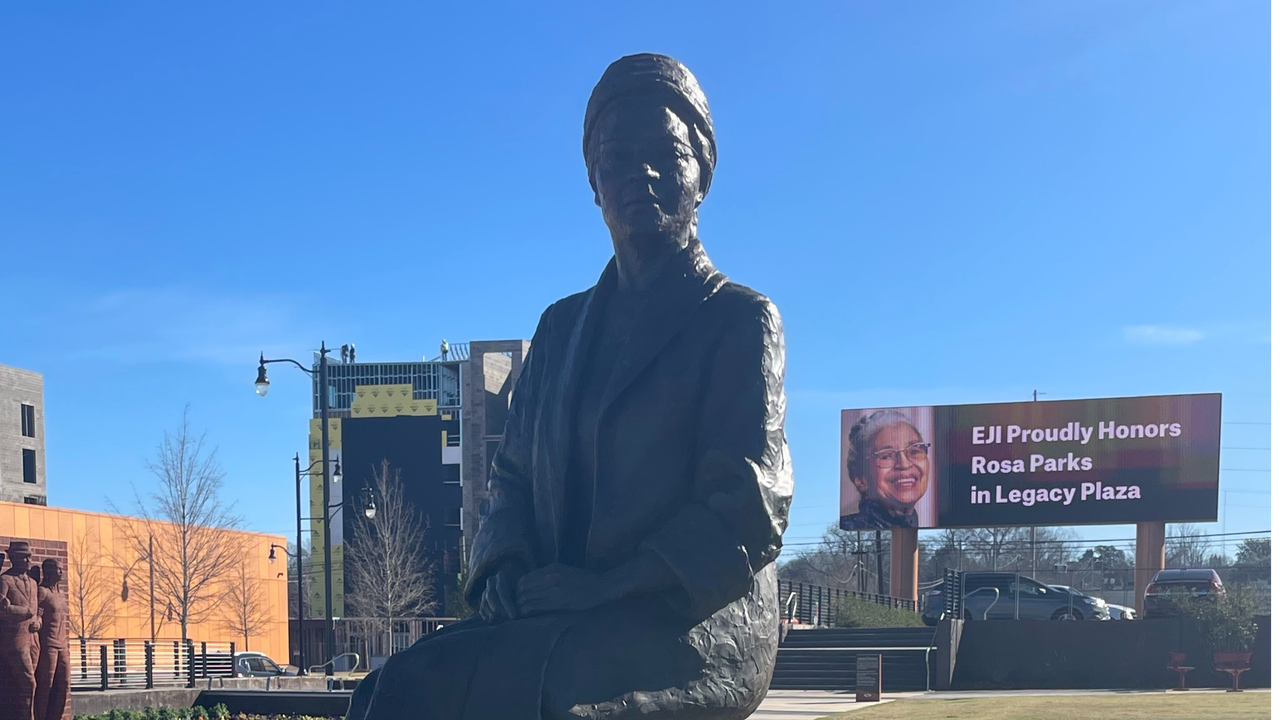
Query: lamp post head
x,y
271,557
337,470
262,384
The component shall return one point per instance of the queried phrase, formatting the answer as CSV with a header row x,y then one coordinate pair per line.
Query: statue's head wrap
x,y
668,82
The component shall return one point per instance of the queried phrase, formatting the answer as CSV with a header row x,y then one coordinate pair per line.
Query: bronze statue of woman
x,y
624,564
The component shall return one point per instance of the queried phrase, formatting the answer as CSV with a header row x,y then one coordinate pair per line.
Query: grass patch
x,y
1145,706
854,613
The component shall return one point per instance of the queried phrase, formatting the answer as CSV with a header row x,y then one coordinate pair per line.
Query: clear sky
x,y
949,202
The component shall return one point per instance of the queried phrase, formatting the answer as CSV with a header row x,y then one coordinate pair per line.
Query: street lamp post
x,y
366,504
262,385
302,646
297,555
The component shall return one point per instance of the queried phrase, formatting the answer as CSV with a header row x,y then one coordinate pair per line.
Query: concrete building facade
x,y
22,472
402,411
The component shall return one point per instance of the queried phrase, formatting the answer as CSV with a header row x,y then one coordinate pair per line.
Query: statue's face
x,y
52,573
646,171
20,562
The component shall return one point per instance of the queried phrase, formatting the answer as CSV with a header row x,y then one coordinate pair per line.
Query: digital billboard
x,y
1062,462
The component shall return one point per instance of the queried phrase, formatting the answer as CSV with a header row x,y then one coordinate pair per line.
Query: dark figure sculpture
x,y
19,643
53,669
624,565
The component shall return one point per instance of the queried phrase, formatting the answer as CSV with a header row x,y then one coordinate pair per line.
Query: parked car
x,y
1199,585
1068,589
1120,612
255,664
1006,596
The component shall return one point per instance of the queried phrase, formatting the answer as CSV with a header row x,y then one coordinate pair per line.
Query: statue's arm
x,y
20,612
504,537
733,526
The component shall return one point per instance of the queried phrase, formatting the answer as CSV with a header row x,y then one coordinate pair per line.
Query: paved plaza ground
x,y
1015,705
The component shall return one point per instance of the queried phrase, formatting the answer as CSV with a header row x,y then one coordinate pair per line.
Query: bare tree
x,y
90,589
386,569
842,559
244,606
991,545
1187,547
184,531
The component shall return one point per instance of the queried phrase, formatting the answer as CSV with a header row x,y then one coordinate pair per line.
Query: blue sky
x,y
949,202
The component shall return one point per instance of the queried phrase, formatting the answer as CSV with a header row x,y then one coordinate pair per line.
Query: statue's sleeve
x,y
733,526
21,612
506,519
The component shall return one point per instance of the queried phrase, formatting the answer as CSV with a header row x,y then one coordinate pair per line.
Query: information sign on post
x,y
868,679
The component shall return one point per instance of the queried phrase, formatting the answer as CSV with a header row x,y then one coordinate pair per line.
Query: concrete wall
x,y
17,388
1028,654
96,549
488,378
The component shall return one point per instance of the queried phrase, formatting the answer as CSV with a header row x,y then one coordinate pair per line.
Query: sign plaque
x,y
868,679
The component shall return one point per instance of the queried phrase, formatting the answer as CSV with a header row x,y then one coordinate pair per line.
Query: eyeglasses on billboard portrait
x,y
915,453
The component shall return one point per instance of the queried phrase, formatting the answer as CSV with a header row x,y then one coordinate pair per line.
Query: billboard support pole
x,y
1148,560
904,563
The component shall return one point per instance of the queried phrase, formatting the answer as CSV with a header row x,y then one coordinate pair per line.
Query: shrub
x,y
851,612
1225,625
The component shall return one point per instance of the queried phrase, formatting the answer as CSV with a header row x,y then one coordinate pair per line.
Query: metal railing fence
x,y
814,604
123,663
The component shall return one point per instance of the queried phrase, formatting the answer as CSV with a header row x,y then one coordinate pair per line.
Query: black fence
x,y
357,641
132,664
814,604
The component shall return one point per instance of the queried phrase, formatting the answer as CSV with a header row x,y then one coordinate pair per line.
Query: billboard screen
x,y
1063,462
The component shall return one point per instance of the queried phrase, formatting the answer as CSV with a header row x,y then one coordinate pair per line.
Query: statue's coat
x,y
691,465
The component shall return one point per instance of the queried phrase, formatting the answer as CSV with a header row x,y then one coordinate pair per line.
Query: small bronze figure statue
x,y
53,669
19,642
624,565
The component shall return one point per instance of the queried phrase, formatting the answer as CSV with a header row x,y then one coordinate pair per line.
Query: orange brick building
x,y
92,546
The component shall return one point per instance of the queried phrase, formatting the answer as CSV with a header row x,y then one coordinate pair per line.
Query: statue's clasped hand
x,y
561,588
498,602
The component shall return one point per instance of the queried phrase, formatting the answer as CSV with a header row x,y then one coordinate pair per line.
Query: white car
x,y
1088,598
1120,612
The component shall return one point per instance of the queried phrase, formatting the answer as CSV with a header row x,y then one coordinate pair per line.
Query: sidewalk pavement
x,y
806,704
813,704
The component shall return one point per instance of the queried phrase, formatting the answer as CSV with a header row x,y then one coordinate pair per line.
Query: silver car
x,y
1008,596
255,664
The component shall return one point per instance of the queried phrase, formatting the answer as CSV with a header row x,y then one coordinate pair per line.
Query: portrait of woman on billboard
x,y
887,480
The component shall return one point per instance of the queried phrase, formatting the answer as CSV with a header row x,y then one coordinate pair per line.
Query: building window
x,y
28,420
29,466
34,500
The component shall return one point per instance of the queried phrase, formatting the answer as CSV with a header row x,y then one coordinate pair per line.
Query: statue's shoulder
x,y
738,302
561,314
